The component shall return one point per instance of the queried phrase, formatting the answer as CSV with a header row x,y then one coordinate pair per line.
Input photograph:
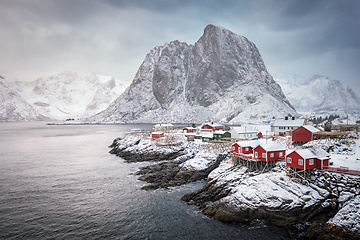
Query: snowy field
x,y
350,161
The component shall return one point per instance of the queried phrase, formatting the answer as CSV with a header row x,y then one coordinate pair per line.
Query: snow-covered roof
x,y
213,124
253,143
157,133
313,152
289,122
220,132
311,128
247,129
269,147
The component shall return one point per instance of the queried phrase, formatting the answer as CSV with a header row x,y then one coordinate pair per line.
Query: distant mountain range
x,y
59,96
318,94
221,77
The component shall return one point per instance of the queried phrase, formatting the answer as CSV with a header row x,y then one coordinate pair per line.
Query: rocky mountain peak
x,y
180,82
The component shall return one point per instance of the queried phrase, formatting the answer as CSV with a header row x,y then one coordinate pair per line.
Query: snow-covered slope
x,y
221,77
318,94
65,95
13,107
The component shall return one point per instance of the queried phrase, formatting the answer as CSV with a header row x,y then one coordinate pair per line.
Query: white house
x,y
244,132
163,126
287,126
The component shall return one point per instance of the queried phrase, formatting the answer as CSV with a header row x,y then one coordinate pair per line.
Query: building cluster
x,y
250,150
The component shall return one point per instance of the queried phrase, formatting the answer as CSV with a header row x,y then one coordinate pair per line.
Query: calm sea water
x,y
60,182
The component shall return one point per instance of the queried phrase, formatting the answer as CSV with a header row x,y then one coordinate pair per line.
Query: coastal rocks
x,y
180,162
328,202
171,173
140,150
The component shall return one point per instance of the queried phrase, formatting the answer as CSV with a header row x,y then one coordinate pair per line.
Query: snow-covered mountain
x,y
318,94
221,77
14,107
64,95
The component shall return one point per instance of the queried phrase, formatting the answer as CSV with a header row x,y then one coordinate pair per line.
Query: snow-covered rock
x,y
318,94
221,77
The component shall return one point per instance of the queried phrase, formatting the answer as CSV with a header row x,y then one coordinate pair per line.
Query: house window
x,y
280,154
301,162
233,148
264,155
289,159
246,149
271,154
311,162
256,154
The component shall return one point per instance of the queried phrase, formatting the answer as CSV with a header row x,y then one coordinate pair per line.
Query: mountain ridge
x,y
318,94
222,76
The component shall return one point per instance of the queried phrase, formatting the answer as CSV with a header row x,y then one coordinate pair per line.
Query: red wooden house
x,y
157,134
247,147
270,152
211,127
309,158
244,147
260,135
304,134
189,130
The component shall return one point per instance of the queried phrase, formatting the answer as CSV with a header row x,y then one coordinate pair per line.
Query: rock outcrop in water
x,y
179,163
221,77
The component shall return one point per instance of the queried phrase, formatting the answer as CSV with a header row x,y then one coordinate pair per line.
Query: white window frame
x,y
264,155
289,159
301,162
311,161
247,149
272,154
233,148
280,154
256,154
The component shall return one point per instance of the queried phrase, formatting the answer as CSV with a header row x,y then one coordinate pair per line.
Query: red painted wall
x,y
259,150
187,130
276,156
236,148
295,161
325,163
301,134
154,135
249,151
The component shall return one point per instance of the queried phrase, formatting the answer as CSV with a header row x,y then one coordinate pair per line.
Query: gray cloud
x,y
304,37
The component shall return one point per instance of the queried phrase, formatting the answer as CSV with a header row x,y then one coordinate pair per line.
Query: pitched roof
x,y
313,152
270,147
220,132
311,128
253,143
247,129
288,123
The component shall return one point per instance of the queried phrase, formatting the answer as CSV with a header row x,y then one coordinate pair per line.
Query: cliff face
x,y
221,77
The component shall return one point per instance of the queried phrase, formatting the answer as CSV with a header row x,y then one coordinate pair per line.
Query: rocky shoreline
x,y
328,204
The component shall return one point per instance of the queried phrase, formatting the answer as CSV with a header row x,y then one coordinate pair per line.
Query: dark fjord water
x,y
60,182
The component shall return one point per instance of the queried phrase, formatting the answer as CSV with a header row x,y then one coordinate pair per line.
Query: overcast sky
x,y
303,37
